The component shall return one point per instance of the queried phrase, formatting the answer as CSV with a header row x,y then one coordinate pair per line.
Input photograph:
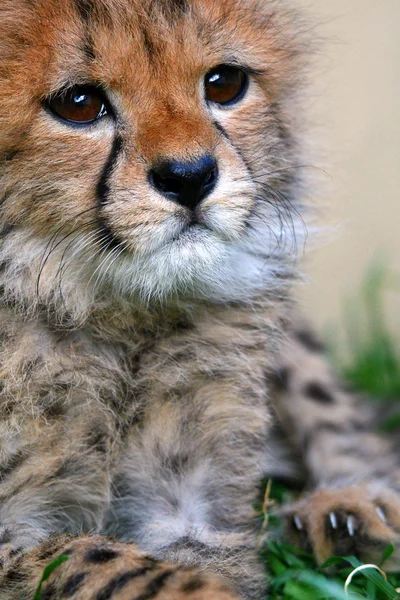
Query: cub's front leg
x,y
355,505
190,472
186,485
57,430
52,484
99,569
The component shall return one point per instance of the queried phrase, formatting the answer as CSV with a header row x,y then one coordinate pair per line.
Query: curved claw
x,y
381,514
333,520
351,525
298,523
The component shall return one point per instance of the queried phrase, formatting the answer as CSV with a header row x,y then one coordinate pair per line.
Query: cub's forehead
x,y
109,11
121,43
209,17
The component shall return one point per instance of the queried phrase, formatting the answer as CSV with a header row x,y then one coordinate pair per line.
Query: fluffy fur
x,y
140,338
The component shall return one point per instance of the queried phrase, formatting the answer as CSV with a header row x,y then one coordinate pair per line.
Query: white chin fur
x,y
199,264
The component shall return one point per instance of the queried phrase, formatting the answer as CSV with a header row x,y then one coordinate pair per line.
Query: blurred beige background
x,y
356,105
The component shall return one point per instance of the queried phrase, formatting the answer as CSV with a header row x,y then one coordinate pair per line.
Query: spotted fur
x,y
139,338
351,474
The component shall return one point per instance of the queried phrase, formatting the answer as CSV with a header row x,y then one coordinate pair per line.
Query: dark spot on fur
x,y
284,131
280,378
176,462
49,592
73,584
16,574
88,49
4,197
183,324
176,5
319,393
171,9
67,551
12,464
329,427
63,387
202,550
68,467
131,422
6,229
85,8
121,580
353,448
309,341
246,327
359,426
192,585
72,466
46,553
98,441
148,43
54,409
185,355
6,536
30,480
155,586
10,155
100,555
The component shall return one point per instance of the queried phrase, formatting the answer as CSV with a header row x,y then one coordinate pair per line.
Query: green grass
x,y
373,368
295,576
46,574
374,356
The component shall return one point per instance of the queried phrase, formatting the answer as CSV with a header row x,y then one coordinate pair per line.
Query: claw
x,y
298,523
333,520
351,525
381,514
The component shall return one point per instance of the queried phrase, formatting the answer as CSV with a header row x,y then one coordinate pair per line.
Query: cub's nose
x,y
185,182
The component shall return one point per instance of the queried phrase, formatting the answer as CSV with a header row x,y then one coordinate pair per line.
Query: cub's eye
x,y
226,84
80,104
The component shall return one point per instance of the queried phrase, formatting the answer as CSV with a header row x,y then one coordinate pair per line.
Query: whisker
x,y
64,265
100,277
51,245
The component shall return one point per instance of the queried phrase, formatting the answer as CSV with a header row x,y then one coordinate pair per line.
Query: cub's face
x,y
145,145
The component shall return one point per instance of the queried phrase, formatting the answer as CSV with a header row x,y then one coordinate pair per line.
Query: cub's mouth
x,y
190,234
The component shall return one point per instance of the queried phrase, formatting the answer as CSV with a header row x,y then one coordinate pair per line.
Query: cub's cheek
x,y
229,223
63,168
228,209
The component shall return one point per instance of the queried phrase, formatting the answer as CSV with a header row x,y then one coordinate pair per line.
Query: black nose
x,y
185,182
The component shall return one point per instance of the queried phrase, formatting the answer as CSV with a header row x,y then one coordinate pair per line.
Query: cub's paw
x,y
356,520
99,569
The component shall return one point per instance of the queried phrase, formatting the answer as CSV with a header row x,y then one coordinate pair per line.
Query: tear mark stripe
x,y
103,190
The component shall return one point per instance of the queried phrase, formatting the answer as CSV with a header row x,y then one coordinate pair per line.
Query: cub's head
x,y
147,148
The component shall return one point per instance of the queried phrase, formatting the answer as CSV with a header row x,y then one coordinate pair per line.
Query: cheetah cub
x,y
150,207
